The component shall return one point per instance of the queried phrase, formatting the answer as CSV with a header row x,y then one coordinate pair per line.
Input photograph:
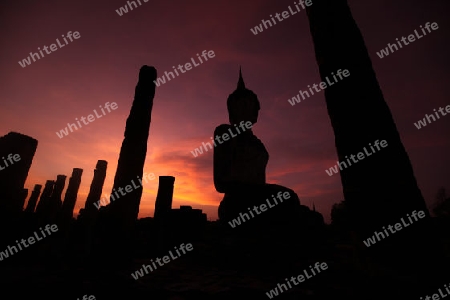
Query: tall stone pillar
x,y
22,197
163,207
95,191
121,214
88,216
33,198
44,201
380,189
71,195
51,208
163,203
16,156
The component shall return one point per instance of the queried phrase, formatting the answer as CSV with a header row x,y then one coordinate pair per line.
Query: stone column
x,y
22,197
55,202
381,188
71,195
44,201
163,207
163,203
88,216
95,191
121,214
33,198
16,156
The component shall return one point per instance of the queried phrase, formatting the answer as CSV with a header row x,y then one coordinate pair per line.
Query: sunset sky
x,y
103,64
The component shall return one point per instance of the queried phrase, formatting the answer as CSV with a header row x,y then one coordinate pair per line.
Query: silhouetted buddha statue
x,y
240,171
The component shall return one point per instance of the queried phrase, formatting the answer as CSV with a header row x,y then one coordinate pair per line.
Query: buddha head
x,y
243,104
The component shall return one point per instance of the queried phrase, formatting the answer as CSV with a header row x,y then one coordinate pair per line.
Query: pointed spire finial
x,y
314,207
241,84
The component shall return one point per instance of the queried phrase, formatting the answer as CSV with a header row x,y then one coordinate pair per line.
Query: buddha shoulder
x,y
221,129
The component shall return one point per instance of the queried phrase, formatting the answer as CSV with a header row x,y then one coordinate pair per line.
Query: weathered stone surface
x,y
87,217
71,195
33,198
13,174
130,166
95,191
382,188
44,201
163,203
50,203
119,217
55,200
22,197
